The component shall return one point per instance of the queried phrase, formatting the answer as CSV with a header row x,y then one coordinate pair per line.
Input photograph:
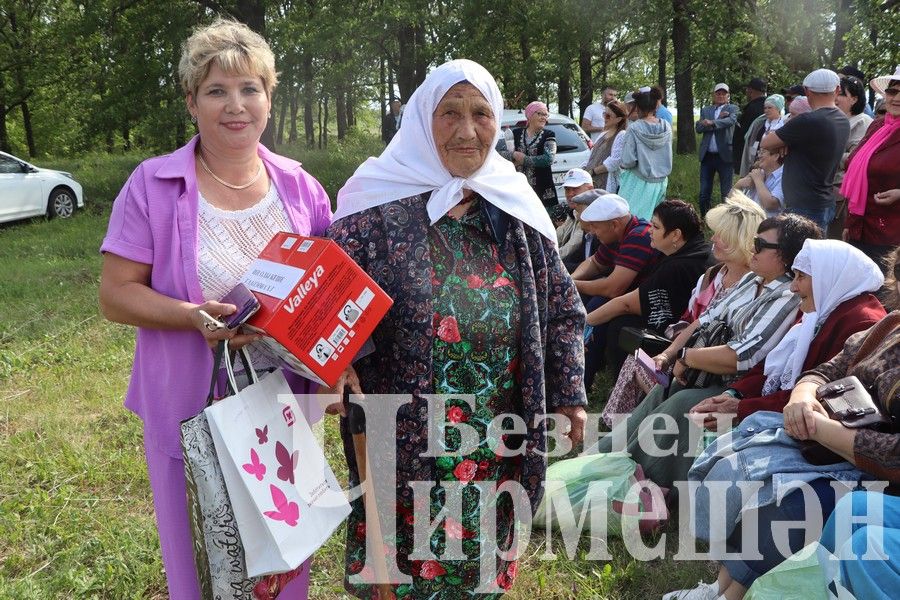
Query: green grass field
x,y
76,516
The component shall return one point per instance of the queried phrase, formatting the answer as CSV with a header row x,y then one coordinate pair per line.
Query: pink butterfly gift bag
x,y
286,499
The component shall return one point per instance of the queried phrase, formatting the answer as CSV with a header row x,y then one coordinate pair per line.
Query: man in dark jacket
x,y
390,123
756,97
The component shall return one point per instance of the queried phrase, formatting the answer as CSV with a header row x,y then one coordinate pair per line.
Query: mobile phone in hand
x,y
246,304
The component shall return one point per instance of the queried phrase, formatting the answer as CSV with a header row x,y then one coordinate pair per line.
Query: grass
x,y
76,515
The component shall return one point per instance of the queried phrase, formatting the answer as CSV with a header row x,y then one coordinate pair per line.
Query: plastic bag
x,y
605,482
799,577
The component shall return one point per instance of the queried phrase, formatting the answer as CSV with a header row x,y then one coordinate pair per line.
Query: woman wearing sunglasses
x,y
758,312
872,181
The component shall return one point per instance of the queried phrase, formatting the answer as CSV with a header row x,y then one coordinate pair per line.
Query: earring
x,y
270,115
194,119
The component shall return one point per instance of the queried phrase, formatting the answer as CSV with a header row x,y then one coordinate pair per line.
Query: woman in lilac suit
x,y
182,231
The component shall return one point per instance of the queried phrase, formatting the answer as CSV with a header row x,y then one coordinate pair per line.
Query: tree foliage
x,y
103,74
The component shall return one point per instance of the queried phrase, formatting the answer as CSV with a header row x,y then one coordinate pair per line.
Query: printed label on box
x,y
322,351
350,312
364,298
339,335
272,278
288,243
305,246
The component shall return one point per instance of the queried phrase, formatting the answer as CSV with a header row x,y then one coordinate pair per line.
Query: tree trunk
x,y
585,78
564,93
29,130
684,94
661,60
4,135
286,100
309,126
351,113
292,131
340,104
126,138
528,68
842,24
411,63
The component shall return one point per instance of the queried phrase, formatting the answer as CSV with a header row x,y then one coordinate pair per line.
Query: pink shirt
x,y
154,221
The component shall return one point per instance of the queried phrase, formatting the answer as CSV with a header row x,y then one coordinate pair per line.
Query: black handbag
x,y
632,338
715,333
848,402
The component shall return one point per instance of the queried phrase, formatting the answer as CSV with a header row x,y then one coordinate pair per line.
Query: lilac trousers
x,y
170,502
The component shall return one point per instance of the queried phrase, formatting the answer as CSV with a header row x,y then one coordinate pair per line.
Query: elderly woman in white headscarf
x,y
835,282
483,307
836,285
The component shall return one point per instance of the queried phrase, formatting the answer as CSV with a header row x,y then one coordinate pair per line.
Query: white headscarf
x,y
410,164
839,272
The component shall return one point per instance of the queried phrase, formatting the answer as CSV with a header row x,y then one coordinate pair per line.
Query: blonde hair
x,y
234,47
736,221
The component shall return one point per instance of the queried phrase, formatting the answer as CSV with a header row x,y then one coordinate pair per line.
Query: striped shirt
x,y
633,252
758,322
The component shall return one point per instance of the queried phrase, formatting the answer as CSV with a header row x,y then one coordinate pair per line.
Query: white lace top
x,y
229,240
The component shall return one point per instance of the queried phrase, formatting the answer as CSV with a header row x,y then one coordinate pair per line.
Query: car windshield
x,y
567,137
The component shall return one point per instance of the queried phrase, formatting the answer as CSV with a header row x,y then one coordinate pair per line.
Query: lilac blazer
x,y
154,221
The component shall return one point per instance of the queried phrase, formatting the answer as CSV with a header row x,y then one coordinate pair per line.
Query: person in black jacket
x,y
756,97
390,123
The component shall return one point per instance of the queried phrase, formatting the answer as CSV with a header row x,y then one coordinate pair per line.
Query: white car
x,y
29,191
572,144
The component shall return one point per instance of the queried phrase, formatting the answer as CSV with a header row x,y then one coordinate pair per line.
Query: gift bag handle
x,y
220,352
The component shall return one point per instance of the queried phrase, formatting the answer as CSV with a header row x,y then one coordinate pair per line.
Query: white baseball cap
x,y
721,86
822,81
577,178
606,208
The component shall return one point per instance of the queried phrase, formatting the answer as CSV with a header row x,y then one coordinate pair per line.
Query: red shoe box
x,y
317,307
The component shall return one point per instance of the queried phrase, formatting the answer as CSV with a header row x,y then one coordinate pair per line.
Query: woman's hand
x,y
518,158
758,176
211,331
887,197
347,378
801,410
722,404
662,361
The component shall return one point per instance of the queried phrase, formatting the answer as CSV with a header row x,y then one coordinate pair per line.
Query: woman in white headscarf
x,y
482,306
835,282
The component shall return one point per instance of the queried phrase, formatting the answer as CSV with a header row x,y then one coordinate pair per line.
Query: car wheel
x,y
61,203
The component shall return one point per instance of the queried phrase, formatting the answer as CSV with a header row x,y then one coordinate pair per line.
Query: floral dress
x,y
475,351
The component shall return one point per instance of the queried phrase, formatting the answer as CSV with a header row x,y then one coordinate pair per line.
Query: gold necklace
x,y
225,183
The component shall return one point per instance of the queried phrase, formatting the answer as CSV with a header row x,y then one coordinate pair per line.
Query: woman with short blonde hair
x,y
182,232
735,222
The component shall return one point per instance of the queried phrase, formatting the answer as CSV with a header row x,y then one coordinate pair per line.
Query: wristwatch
x,y
682,357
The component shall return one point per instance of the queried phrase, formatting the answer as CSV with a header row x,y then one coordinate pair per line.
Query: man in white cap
x,y
569,235
814,143
623,259
717,126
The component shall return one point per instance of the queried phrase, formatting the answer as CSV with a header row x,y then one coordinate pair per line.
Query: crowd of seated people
x,y
750,324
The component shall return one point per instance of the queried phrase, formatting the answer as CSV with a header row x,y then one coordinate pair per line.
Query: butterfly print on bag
x,y
287,462
285,511
254,467
262,435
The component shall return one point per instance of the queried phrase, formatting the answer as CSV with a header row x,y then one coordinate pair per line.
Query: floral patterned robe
x,y
391,243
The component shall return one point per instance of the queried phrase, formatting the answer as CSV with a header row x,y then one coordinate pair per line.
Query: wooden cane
x,y
356,418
